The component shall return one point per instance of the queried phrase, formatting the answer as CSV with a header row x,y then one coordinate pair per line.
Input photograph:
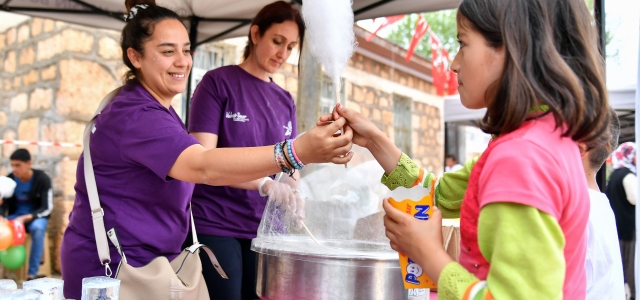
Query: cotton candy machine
x,y
353,259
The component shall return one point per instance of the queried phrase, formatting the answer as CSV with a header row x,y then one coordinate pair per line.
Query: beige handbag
x,y
160,279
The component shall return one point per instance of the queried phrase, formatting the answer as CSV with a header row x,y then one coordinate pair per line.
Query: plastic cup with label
x,y
49,288
100,288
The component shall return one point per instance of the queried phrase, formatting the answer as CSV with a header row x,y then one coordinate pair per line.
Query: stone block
x,y
30,78
19,103
7,149
370,97
80,92
3,41
11,36
28,131
3,121
67,177
67,132
69,40
41,99
7,85
36,27
109,48
384,102
366,112
49,73
376,114
280,80
49,25
10,62
16,82
387,117
27,56
385,74
358,94
353,105
23,33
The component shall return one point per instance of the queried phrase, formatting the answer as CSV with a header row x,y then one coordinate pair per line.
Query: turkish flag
x,y
387,21
421,29
452,77
438,67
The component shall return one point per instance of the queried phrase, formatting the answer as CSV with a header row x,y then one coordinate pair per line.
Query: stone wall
x,y
53,77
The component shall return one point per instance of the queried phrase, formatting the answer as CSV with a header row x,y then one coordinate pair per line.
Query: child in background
x,y
530,177
603,264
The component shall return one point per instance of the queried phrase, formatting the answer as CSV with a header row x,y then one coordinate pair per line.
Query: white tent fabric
x,y
621,99
214,19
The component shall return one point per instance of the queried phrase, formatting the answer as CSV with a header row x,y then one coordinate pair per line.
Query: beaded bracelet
x,y
280,160
290,155
293,149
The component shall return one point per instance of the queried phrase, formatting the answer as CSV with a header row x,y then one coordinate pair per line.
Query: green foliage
x,y
442,23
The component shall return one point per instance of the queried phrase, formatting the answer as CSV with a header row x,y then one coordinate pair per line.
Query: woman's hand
x,y
363,129
420,240
285,196
366,134
319,145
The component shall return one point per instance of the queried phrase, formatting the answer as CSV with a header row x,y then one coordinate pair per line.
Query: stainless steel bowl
x,y
334,271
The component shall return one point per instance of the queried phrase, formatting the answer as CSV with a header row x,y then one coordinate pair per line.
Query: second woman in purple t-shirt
x,y
241,106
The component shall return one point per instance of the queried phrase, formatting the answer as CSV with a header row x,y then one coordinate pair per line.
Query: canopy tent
x,y
621,99
208,20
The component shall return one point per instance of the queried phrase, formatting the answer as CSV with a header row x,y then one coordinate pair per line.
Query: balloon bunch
x,y
12,252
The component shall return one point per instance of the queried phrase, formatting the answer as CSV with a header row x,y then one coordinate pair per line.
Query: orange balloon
x,y
6,236
19,232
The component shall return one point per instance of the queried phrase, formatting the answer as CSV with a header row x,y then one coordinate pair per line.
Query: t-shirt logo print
x,y
288,129
237,117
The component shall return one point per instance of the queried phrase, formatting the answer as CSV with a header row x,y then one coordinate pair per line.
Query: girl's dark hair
x,y
551,58
276,12
140,28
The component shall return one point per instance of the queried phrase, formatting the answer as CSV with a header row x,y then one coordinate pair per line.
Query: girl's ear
x,y
583,149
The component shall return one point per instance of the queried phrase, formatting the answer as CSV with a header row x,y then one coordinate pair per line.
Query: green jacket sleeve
x,y
450,189
526,257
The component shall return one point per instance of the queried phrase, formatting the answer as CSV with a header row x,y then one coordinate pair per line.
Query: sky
x,y
622,20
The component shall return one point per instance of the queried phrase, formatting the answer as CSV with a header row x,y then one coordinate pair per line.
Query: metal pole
x,y
601,176
193,37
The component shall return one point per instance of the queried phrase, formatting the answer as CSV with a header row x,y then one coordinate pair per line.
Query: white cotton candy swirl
x,y
330,35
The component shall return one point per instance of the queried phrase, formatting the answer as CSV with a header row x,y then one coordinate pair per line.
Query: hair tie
x,y
134,11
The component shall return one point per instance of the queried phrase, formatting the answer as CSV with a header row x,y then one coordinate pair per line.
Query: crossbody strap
x,y
97,213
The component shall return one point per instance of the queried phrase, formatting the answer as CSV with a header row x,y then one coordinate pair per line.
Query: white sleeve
x,y
630,185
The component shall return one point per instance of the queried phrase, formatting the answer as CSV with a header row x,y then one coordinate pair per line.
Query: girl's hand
x,y
420,240
363,130
319,145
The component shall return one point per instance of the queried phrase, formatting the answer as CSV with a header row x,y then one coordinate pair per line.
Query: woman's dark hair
x,y
140,28
276,12
551,59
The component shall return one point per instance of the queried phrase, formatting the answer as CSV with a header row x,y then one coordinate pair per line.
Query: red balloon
x,y
19,233
6,236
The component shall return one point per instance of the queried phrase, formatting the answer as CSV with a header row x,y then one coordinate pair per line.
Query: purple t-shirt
x,y
135,143
243,111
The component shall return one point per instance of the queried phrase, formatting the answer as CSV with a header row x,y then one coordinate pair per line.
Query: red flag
x,y
387,21
452,77
438,69
421,29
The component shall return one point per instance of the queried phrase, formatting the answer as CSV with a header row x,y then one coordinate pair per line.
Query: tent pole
x,y
601,176
193,37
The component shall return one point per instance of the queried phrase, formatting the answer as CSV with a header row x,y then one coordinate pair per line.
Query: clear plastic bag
x,y
341,207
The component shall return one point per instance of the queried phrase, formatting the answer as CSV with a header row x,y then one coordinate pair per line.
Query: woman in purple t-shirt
x,y
145,162
241,106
